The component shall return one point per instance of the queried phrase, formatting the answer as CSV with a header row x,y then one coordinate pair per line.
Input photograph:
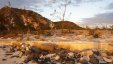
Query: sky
x,y
82,12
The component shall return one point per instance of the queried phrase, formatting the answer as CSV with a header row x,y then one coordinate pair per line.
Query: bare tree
x,y
66,3
111,29
63,6
9,4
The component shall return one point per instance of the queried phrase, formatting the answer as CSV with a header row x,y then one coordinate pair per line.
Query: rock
x,y
104,54
48,63
50,55
102,62
93,60
31,62
24,58
108,59
4,59
69,62
56,57
83,60
70,54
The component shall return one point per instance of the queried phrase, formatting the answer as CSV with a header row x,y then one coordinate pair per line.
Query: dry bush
x,y
44,47
95,33
64,46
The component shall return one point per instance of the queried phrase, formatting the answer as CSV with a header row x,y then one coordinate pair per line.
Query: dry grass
x,y
66,45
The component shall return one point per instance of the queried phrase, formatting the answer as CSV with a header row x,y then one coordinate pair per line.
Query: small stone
x,y
4,59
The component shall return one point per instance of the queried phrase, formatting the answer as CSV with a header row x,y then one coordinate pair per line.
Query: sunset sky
x,y
82,12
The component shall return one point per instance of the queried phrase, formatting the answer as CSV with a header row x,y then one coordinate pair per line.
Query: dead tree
x,y
63,7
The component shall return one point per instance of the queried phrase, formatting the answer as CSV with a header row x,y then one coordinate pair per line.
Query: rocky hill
x,y
14,20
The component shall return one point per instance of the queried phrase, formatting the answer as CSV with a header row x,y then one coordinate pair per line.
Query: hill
x,y
14,20
66,25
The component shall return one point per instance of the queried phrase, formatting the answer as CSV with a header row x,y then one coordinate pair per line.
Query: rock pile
x,y
30,54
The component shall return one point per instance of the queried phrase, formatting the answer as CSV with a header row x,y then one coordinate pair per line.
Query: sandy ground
x,y
5,59
8,58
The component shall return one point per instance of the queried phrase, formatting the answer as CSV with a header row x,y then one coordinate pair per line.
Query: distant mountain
x,y
66,25
14,20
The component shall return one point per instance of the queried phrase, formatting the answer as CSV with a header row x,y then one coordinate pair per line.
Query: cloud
x,y
93,0
80,1
110,6
104,18
21,3
34,5
39,3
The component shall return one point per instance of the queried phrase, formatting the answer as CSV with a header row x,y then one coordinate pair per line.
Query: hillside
x,y
14,20
66,25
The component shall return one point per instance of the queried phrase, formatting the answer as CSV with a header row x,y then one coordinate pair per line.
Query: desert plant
x,y
94,33
111,29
